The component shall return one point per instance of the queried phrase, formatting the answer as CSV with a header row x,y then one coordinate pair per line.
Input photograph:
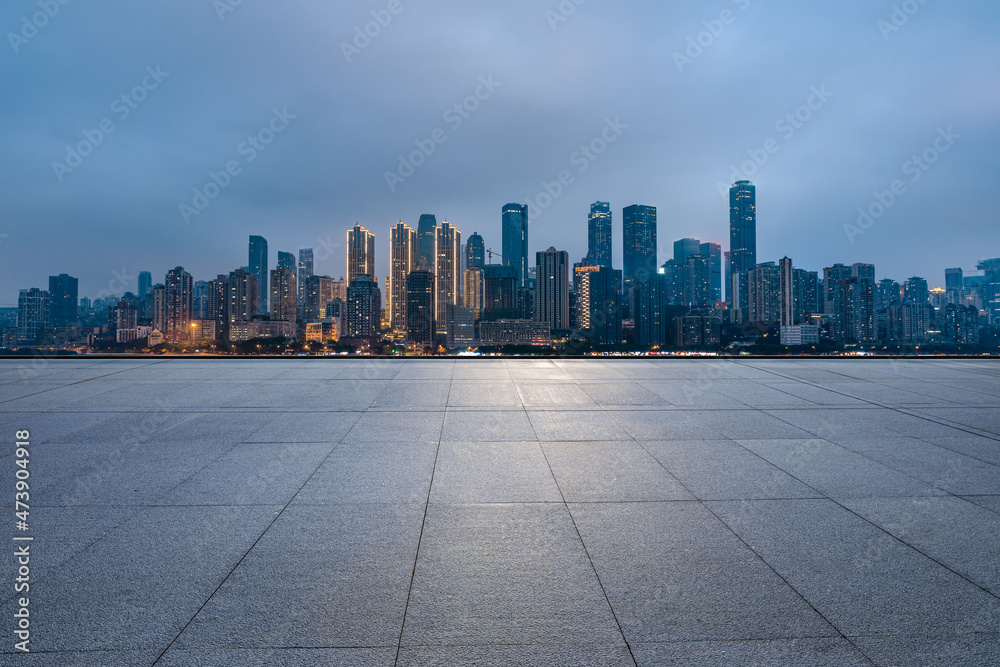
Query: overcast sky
x,y
883,88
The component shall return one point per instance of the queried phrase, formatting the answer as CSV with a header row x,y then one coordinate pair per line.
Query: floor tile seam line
x,y
423,523
864,455
753,551
55,568
964,428
246,553
813,384
873,524
918,550
73,384
576,528
795,590
590,559
899,410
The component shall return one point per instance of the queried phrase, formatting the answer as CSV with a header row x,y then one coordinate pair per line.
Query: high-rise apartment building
x,y
472,290
360,254
515,240
364,311
241,303
447,272
179,305
552,288
32,314
318,293
284,294
306,270
581,289
404,256
764,293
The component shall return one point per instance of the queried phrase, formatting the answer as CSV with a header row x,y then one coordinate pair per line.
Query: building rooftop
x,y
506,512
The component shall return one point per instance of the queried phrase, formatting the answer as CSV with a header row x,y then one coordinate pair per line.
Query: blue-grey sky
x,y
687,91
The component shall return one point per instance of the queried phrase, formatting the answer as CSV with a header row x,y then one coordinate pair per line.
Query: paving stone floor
x,y
506,512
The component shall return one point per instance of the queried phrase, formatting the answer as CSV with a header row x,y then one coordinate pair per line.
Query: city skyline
x,y
828,136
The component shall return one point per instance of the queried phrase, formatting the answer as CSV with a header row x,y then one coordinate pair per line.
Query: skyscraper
x,y
318,293
241,296
305,272
652,321
63,300
599,234
859,304
286,260
499,293
447,272
425,232
420,325
713,251
742,238
685,248
787,288
360,254
472,290
764,293
888,293
258,267
552,288
284,294
364,305
515,240
639,243
32,314
697,281
605,286
179,297
404,256
217,309
145,282
475,252
915,291
581,288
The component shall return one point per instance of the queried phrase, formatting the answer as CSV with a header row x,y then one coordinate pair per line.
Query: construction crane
x,y
492,254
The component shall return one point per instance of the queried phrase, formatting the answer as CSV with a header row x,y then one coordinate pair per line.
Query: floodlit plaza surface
x,y
505,512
